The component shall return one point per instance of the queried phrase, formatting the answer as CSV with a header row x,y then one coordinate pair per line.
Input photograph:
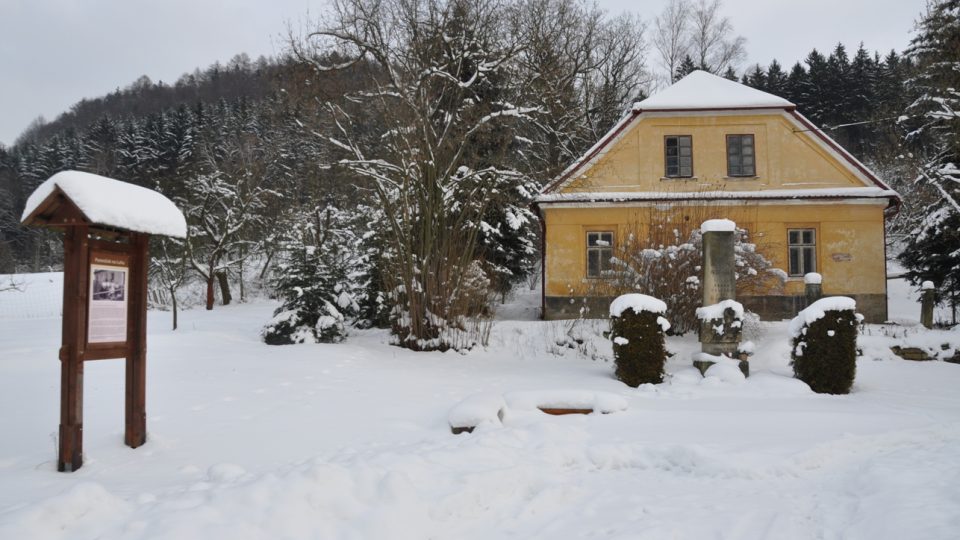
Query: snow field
x,y
351,441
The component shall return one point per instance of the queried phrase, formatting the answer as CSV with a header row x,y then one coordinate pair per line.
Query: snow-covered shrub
x,y
667,262
317,281
824,343
637,330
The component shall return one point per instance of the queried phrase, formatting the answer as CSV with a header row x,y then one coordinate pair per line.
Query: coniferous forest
x,y
380,171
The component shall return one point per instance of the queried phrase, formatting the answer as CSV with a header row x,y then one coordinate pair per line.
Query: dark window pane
x,y
671,142
794,261
593,263
809,260
607,237
794,237
605,256
808,237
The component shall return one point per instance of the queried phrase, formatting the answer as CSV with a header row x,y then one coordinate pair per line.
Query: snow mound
x,y
477,409
602,402
637,302
105,201
718,225
702,90
812,278
490,408
817,311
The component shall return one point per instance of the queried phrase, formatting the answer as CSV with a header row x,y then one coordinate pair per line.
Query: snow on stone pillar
x,y
813,288
721,316
927,301
719,264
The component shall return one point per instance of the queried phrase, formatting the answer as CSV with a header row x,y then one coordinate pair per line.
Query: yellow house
x,y
707,147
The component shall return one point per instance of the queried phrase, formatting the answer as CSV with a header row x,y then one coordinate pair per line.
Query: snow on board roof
x,y
109,202
703,90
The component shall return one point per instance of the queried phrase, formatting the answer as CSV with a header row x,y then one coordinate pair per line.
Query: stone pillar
x,y
719,284
927,301
719,262
813,288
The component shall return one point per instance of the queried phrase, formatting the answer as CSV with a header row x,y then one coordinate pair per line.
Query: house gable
x,y
789,156
792,155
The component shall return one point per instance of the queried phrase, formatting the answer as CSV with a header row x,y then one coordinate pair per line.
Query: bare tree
x,y
698,30
712,43
580,69
437,76
671,37
168,269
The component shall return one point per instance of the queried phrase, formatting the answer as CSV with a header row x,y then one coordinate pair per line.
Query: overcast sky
x,y
55,52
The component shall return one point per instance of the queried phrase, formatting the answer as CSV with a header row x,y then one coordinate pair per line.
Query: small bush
x,y
639,350
825,348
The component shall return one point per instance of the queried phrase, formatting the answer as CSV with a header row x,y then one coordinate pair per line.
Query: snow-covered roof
x,y
112,203
866,192
703,90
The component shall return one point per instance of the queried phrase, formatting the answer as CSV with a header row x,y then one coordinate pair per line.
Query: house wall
x,y
788,156
850,248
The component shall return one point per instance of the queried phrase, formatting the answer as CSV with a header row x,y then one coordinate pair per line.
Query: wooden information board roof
x,y
73,198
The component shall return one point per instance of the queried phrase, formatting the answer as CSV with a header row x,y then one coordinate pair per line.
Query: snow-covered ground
x,y
350,441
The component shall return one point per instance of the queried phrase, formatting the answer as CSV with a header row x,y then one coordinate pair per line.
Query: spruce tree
x,y
933,121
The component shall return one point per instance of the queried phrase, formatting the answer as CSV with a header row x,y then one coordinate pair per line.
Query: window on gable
x,y
678,156
599,253
741,158
802,246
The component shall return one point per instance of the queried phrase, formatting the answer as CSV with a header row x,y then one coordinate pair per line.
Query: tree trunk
x,y
210,292
173,297
224,288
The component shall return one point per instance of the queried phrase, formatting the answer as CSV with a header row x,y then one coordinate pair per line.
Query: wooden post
x,y
135,432
76,270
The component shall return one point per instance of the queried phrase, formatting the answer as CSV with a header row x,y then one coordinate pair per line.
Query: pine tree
x,y
776,79
686,67
933,250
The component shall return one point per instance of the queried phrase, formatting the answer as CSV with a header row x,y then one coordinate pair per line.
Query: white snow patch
x,y
718,225
600,402
110,202
476,410
812,278
638,303
703,90
715,311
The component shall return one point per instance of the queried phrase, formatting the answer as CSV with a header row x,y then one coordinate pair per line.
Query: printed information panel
x,y
109,279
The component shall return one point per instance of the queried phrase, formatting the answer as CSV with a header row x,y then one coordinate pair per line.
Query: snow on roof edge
x,y
113,203
869,192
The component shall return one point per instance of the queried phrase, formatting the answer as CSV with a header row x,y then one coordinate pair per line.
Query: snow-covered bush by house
x,y
667,262
637,330
824,345
318,280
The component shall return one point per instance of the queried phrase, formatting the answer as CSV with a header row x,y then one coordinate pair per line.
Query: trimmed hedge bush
x,y
825,347
637,331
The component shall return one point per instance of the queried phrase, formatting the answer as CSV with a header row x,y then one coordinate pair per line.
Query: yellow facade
x,y
787,157
850,251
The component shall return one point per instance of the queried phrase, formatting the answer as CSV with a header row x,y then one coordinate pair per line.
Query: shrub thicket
x,y
639,350
825,351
